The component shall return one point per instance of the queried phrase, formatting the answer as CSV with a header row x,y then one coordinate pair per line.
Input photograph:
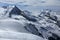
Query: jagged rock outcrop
x,y
47,30
31,28
15,11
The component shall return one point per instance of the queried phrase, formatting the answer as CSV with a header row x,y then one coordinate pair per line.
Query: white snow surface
x,y
11,35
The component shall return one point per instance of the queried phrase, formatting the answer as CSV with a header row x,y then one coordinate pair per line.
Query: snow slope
x,y
10,35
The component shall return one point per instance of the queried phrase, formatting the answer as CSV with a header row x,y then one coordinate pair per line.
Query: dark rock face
x,y
31,28
15,11
55,36
53,18
47,14
58,23
51,38
28,16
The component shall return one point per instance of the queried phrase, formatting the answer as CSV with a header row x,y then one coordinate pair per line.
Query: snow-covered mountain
x,y
17,22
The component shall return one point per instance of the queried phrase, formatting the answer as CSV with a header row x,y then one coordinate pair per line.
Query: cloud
x,y
34,2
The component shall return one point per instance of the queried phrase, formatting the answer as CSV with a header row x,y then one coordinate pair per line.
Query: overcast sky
x,y
34,2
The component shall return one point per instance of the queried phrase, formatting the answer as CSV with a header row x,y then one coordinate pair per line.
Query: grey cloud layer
x,y
34,2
